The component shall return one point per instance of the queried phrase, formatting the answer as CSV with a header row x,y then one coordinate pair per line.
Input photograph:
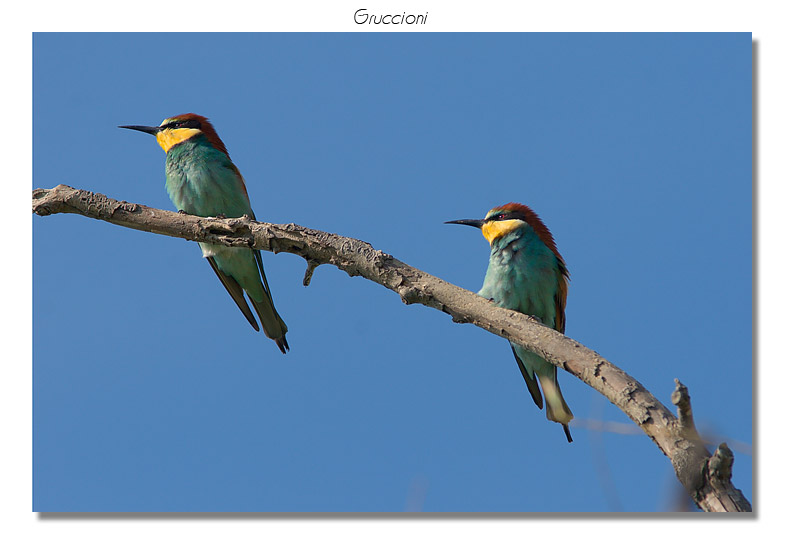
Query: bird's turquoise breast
x,y
523,275
201,180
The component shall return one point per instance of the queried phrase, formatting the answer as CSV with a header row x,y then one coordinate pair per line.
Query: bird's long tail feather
x,y
556,409
272,324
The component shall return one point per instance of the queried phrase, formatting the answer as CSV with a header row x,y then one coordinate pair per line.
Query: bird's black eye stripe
x,y
516,215
186,124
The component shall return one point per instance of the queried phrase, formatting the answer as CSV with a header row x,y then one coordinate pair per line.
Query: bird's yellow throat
x,y
495,229
170,137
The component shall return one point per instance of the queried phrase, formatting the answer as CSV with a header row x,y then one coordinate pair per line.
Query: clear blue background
x,y
152,393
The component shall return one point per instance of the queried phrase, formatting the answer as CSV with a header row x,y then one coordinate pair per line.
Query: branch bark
x,y
706,478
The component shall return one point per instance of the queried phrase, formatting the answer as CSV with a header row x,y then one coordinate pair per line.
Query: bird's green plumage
x,y
202,180
523,275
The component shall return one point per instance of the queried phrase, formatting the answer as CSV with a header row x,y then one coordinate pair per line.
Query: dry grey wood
x,y
706,478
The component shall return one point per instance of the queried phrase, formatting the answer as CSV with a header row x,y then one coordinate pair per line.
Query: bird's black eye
x,y
501,217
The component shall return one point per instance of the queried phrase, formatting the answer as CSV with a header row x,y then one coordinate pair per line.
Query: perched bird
x,y
202,180
526,273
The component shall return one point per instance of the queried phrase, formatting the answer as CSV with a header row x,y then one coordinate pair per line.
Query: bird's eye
x,y
501,216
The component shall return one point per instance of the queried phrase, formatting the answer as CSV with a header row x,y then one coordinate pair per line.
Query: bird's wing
x,y
258,256
560,298
531,382
236,292
263,310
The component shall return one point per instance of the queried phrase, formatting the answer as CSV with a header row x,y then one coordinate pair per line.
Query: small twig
x,y
681,398
312,264
720,464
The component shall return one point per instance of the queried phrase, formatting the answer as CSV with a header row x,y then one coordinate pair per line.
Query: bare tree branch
x,y
706,479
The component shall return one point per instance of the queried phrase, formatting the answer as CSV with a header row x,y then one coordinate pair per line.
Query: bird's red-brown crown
x,y
207,129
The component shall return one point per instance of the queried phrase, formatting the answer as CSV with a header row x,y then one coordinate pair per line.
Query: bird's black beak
x,y
142,128
473,223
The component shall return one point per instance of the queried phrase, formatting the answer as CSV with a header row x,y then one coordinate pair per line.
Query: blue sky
x,y
152,393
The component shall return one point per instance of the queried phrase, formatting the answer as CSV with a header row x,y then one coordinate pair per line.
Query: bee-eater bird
x,y
202,180
526,273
